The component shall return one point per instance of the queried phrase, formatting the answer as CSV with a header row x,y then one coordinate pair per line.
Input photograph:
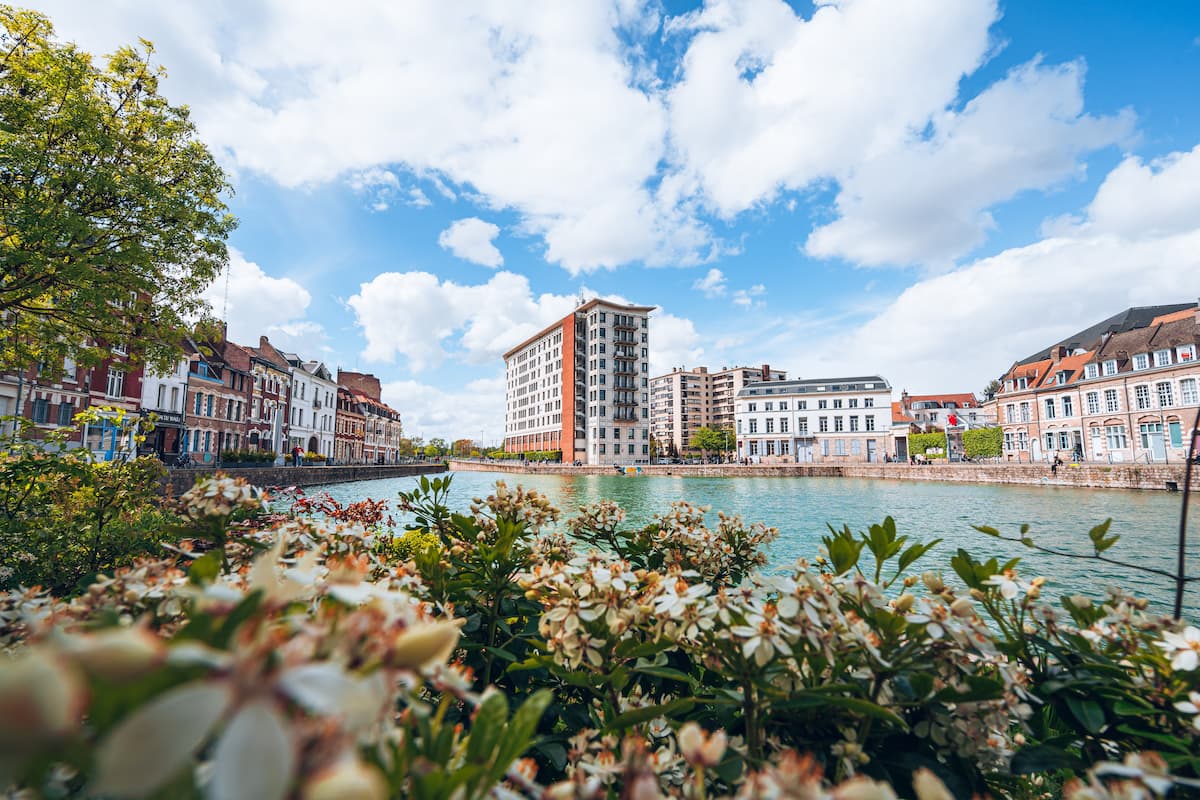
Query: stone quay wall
x,y
1168,477
180,480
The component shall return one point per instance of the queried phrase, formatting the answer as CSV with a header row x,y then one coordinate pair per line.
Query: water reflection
x,y
801,507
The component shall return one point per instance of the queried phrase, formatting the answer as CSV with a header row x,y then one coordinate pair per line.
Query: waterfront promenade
x,y
1160,477
180,480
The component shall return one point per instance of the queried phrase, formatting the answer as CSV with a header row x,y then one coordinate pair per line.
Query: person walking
x,y
296,452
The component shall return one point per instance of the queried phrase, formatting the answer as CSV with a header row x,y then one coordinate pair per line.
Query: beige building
x,y
684,400
581,386
1124,390
830,420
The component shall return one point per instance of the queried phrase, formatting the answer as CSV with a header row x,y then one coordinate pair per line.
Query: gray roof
x,y
806,385
1127,320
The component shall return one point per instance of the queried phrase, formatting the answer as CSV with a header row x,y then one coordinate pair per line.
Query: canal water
x,y
800,507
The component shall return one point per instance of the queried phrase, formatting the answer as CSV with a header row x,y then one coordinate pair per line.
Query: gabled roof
x,y
1123,346
1072,365
1129,319
960,399
898,415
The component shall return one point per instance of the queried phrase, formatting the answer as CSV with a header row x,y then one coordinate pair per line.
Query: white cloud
x,y
414,314
925,199
1139,245
745,297
255,303
674,342
712,284
429,412
471,240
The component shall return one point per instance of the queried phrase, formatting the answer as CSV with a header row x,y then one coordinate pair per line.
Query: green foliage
x,y
529,455
712,440
248,456
983,442
111,217
407,546
922,443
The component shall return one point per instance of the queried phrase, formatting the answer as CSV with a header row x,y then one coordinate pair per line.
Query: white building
x,y
164,396
832,420
581,386
313,406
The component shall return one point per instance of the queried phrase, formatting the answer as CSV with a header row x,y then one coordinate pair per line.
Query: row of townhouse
x,y
1126,389
220,397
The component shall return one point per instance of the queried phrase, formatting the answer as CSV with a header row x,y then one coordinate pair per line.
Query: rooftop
x,y
805,386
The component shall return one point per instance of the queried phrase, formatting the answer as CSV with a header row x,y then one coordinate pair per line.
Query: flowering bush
x,y
499,655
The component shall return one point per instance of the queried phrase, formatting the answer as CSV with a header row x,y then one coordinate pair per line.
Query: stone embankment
x,y
1160,477
180,480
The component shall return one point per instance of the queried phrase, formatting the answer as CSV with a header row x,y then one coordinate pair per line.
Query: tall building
x,y
581,386
685,400
382,427
831,420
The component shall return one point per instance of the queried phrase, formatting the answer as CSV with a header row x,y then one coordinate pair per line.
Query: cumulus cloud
x,y
674,342
712,284
1139,244
415,315
429,412
255,303
745,297
925,200
471,240
559,115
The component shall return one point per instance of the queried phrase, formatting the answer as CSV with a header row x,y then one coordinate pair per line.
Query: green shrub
x,y
983,442
920,443
406,546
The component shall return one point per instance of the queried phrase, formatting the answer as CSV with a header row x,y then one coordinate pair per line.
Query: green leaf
x,y
664,672
1089,713
205,568
1044,758
487,727
639,715
521,729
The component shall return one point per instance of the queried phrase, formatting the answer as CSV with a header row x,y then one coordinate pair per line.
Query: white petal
x,y
154,743
255,757
327,689
1186,660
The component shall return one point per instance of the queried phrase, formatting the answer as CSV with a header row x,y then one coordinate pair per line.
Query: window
x,y
66,413
1185,352
839,447
1176,434
1093,402
783,425
1162,358
1141,396
853,424
1141,361
1061,378
41,410
837,403
783,405
1022,383
754,448
870,422
770,424
1110,367
838,424
1097,439
116,383
868,402
1187,391
822,404
1148,431
1008,441
802,426
1166,398
1068,406
802,405
1112,402
1064,440
1050,408
823,424
1022,440
853,402
1115,435
754,407
1010,412
1049,441
769,407
208,411
1091,371
754,426
199,400
1024,412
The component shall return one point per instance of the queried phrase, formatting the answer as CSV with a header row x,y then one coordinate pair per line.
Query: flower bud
x,y
962,607
863,788
933,582
904,603
978,594
41,697
348,779
701,749
1079,601
118,654
928,786
424,645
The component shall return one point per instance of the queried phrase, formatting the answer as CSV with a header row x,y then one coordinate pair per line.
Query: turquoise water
x,y
800,507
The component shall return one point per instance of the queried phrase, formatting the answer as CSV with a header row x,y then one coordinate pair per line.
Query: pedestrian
x,y
296,451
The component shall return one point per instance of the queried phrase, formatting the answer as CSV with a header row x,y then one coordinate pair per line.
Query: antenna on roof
x,y
225,302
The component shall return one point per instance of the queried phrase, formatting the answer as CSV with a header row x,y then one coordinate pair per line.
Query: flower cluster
x,y
220,496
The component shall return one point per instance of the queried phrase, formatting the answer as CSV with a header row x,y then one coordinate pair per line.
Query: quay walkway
x,y
180,480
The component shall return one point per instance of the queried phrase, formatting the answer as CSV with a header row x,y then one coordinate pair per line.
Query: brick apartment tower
x,y
581,386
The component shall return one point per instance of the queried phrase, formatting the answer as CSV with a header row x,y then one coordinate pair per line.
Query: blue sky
x,y
917,188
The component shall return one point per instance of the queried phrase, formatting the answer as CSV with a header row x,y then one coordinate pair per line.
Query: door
x,y
870,451
1036,444
804,453
1158,447
902,449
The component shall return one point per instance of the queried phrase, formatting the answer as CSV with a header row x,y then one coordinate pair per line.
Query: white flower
x,y
1191,706
1185,647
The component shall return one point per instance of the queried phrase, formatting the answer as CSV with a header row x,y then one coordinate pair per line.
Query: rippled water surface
x,y
800,507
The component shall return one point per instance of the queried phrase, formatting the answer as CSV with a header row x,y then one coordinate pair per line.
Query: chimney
x,y
766,372
262,342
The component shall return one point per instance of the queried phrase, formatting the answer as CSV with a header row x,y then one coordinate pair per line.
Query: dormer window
x,y
1110,367
1141,361
1186,352
1022,383
1162,358
1008,386
1061,378
1091,371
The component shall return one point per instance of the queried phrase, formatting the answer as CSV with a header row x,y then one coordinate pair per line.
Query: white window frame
x,y
1141,361
1110,367
1091,371
1162,358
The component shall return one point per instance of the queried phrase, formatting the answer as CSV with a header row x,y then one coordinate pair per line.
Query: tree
x,y
709,439
439,445
462,447
111,217
991,389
